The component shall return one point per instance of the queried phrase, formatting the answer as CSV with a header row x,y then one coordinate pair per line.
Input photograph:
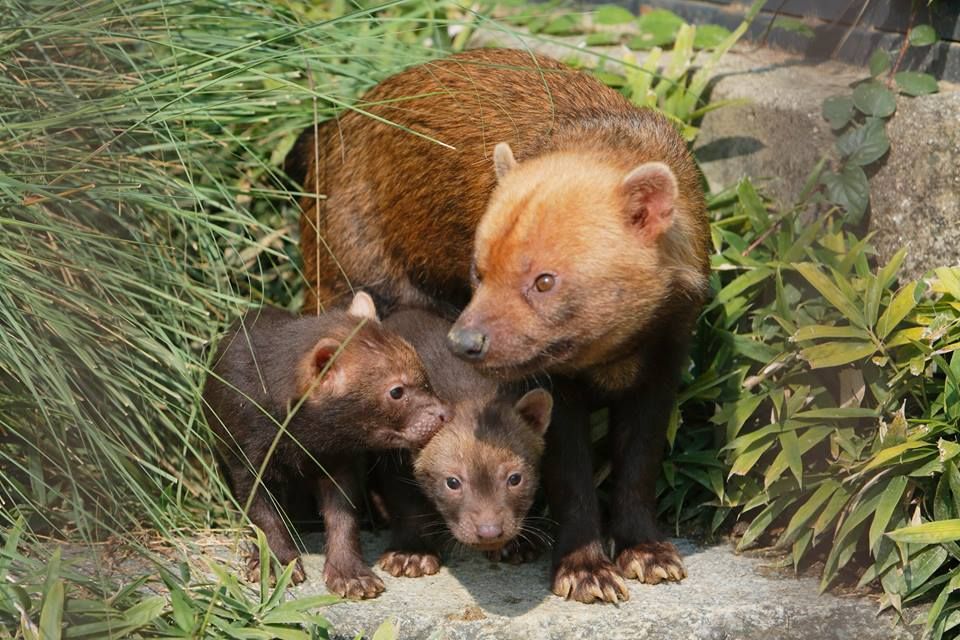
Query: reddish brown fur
x,y
406,217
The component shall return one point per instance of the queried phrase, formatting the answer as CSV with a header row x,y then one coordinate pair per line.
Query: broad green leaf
x,y
753,206
563,26
865,144
386,631
834,354
900,306
922,35
949,279
923,565
836,413
838,111
794,26
791,449
740,411
886,455
874,99
889,500
825,520
657,28
763,520
928,532
602,39
849,189
183,614
879,62
821,331
51,614
709,36
749,457
612,14
806,513
914,83
742,283
831,292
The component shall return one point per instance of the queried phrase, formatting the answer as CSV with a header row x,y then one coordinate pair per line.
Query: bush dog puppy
x,y
342,385
570,228
480,471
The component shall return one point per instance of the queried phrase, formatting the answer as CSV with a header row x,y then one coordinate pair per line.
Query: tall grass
x,y
140,207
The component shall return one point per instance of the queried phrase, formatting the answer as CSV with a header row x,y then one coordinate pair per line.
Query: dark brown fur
x,y
407,218
490,437
269,363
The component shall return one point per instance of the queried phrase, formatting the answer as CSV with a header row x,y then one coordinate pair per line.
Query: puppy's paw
x,y
409,564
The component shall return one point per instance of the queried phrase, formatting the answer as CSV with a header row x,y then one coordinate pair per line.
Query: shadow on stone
x,y
728,147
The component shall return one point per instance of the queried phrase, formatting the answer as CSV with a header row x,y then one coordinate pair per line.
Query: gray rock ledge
x,y
725,597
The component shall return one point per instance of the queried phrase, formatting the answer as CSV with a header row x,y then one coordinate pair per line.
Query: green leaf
x,y
889,453
838,111
834,354
922,35
806,513
821,331
928,532
915,83
752,205
836,413
183,614
898,309
51,615
763,520
879,63
889,500
866,144
829,290
386,631
874,99
563,26
709,36
791,449
848,189
657,28
794,26
612,14
742,283
602,39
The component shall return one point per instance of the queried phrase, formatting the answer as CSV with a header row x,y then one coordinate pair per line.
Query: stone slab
x,y
725,597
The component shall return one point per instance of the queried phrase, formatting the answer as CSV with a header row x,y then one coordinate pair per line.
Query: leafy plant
x,y
859,120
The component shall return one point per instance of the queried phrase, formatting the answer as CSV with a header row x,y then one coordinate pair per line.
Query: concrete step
x,y
779,135
725,597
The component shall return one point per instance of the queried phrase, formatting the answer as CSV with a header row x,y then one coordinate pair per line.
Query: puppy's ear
x,y
503,160
535,408
363,307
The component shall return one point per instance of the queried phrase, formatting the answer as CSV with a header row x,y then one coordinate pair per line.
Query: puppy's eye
x,y
514,479
544,282
396,393
453,483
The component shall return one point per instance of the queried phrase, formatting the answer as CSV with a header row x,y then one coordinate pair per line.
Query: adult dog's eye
x,y
544,282
453,483
514,479
396,393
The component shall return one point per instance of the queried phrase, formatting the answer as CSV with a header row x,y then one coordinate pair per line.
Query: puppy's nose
x,y
489,531
468,343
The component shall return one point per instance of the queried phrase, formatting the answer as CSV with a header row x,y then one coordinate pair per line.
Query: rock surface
x,y
776,135
725,597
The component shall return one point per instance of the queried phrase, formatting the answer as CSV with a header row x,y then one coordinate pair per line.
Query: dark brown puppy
x,y
341,384
480,471
580,224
